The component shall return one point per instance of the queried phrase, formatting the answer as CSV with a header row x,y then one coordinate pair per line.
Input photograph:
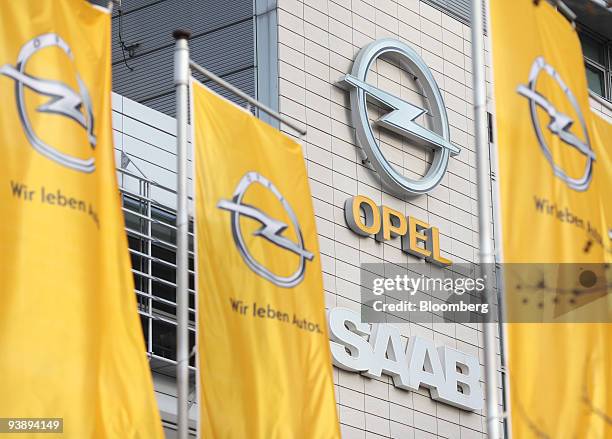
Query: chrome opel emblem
x,y
271,229
63,101
400,118
560,124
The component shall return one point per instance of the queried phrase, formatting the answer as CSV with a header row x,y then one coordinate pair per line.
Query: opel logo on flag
x,y
560,124
400,116
63,101
271,229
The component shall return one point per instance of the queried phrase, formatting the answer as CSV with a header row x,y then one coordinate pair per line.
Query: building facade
x,y
291,55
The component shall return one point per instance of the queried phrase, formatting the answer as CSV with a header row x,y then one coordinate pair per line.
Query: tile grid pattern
x,y
318,41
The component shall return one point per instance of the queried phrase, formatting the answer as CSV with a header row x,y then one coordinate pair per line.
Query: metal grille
x,y
151,233
459,9
223,40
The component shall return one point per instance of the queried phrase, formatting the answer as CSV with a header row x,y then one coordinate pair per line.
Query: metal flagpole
x,y
254,102
484,214
181,82
182,66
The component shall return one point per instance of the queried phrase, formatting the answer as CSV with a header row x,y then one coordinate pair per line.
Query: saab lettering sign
x,y
418,237
451,376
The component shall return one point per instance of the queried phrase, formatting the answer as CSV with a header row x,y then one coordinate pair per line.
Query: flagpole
x,y
242,95
484,215
181,82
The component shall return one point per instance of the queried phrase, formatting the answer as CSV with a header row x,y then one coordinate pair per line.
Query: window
x,y
598,64
151,235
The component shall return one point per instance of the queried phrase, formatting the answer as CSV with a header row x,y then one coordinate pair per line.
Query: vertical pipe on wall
x,y
181,83
484,214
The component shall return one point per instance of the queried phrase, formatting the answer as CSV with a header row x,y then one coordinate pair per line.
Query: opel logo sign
x,y
63,101
271,229
560,124
400,117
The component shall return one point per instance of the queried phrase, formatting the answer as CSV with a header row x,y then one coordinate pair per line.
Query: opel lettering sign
x,y
418,238
271,229
560,124
401,117
64,101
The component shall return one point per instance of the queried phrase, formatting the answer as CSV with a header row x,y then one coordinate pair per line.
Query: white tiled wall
x,y
318,40
148,138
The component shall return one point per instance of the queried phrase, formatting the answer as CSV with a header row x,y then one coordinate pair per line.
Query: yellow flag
x,y
554,165
70,338
265,365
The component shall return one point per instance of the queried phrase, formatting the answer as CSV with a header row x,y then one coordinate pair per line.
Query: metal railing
x,y
151,233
